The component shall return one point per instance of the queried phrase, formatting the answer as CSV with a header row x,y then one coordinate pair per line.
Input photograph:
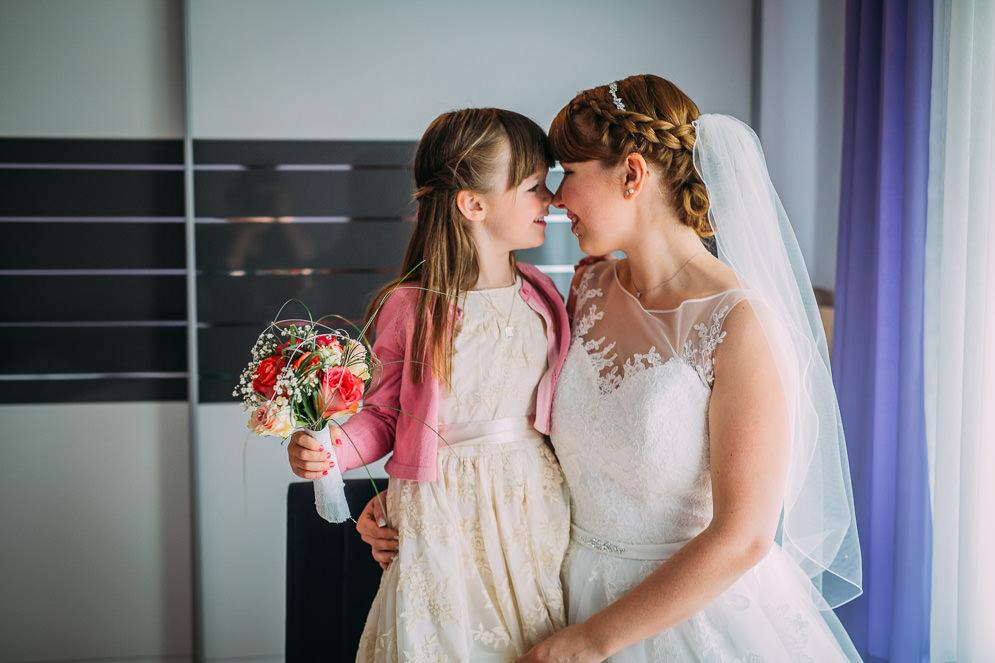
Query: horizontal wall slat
x,y
260,152
92,245
368,245
93,391
217,390
84,150
250,299
55,192
253,193
92,298
92,350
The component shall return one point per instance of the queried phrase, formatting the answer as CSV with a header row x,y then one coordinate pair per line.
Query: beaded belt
x,y
643,551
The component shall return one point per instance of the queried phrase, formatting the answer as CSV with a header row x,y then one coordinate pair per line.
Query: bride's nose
x,y
558,199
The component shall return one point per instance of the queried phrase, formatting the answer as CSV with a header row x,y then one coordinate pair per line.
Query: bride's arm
x,y
749,448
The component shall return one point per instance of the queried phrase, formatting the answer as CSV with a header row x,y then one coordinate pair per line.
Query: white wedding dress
x,y
477,574
630,432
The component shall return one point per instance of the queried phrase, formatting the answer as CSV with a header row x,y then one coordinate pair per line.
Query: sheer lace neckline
x,y
689,300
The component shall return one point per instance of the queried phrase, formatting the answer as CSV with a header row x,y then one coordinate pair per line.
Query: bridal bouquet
x,y
303,374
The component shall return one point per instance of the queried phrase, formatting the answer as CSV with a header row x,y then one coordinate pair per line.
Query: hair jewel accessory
x,y
613,91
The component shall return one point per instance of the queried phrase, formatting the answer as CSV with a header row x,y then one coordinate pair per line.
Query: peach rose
x,y
263,422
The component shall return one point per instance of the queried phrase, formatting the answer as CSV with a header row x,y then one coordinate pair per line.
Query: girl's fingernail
x,y
324,473
331,463
322,448
381,522
328,454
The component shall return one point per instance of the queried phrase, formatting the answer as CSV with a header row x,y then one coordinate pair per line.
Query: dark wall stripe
x,y
86,245
93,391
92,298
271,193
270,152
340,246
92,350
83,150
257,299
90,193
225,351
218,389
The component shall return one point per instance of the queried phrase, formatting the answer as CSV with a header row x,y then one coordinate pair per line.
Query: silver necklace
x,y
509,329
640,293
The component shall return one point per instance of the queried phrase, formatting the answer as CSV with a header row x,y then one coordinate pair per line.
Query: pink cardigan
x,y
375,431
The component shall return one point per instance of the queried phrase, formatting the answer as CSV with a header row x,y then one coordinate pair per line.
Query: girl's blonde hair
x,y
654,121
460,151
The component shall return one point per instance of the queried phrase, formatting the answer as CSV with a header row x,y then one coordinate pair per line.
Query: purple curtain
x,y
877,360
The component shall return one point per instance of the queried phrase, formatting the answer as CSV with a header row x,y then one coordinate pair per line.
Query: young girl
x,y
471,344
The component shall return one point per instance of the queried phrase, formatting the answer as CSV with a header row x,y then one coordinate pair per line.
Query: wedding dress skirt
x,y
630,429
767,615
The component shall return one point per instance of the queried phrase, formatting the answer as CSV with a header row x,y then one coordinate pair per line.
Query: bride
x,y
695,419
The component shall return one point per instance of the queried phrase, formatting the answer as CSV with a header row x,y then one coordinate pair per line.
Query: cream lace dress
x,y
630,431
477,574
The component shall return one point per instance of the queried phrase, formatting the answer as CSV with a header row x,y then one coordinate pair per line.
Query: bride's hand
x,y
382,539
571,645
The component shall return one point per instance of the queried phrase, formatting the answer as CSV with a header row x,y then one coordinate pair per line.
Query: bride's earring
x,y
629,192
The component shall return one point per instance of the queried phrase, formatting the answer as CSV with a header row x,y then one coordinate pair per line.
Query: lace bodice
x,y
630,411
494,375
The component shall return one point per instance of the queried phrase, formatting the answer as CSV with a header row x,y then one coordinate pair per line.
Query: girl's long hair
x,y
460,151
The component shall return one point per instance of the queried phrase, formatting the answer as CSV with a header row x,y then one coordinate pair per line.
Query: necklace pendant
x,y
509,331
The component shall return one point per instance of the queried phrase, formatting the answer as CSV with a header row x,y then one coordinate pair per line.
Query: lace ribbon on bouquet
x,y
329,490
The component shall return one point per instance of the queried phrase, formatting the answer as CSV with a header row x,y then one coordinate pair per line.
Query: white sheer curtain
x,y
960,331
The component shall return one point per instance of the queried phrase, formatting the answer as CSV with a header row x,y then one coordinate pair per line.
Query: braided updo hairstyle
x,y
460,151
656,123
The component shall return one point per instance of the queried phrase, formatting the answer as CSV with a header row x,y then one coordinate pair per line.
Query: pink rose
x,y
340,393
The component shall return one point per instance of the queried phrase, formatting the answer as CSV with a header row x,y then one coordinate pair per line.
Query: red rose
x,y
340,392
264,379
311,358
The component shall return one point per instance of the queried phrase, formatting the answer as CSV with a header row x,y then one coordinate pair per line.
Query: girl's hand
x,y
571,645
308,458
372,526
